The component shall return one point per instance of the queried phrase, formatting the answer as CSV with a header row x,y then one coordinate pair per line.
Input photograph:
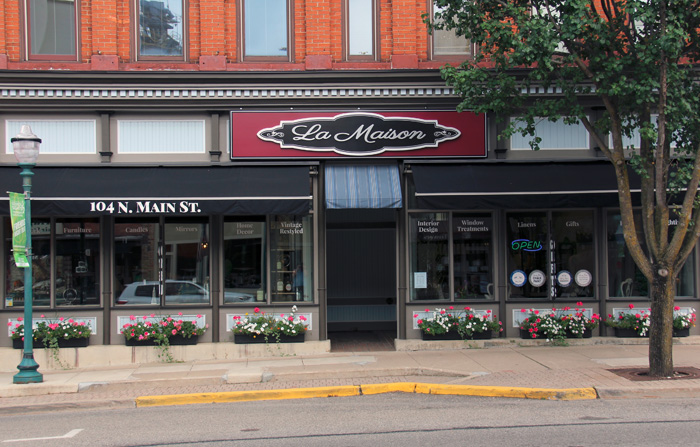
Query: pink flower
x,y
9,323
414,316
256,310
169,319
179,314
631,306
199,316
132,318
174,331
71,321
19,319
420,321
677,308
427,310
153,315
42,315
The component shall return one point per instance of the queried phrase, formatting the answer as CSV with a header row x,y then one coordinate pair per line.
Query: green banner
x,y
19,230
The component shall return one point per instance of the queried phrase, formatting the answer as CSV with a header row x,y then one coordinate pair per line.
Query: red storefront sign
x,y
399,134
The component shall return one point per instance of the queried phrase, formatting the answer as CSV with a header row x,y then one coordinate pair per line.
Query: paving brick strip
x,y
494,372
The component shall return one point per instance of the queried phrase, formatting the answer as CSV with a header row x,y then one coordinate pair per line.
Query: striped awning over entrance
x,y
360,186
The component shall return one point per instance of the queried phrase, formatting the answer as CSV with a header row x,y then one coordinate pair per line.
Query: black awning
x,y
517,185
135,191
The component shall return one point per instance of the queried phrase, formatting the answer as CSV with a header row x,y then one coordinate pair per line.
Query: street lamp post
x,y
26,148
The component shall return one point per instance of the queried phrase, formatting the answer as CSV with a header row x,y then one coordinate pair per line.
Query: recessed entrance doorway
x,y
361,279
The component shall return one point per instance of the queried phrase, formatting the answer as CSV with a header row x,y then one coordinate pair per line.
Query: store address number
x,y
145,207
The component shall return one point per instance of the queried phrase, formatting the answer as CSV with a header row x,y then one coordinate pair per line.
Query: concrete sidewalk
x,y
509,365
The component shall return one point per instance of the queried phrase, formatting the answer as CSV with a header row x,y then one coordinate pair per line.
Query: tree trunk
x,y
661,328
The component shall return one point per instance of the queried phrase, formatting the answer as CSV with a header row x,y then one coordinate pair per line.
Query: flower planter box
x,y
487,335
627,333
18,343
62,343
685,332
73,343
526,335
587,333
445,336
241,339
175,340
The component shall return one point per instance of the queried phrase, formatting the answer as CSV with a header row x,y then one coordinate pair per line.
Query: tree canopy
x,y
628,71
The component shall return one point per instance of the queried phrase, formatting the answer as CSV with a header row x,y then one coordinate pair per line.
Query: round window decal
x,y
583,278
537,278
564,278
518,278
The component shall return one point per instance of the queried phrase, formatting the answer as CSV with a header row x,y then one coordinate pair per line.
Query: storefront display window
x,y
624,278
291,259
75,264
550,254
244,261
136,262
526,265
77,261
429,256
573,254
471,236
144,262
186,262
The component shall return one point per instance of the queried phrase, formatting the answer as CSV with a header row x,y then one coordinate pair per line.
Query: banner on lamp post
x,y
19,229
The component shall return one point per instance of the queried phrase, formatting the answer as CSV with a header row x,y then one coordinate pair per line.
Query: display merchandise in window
x,y
550,255
624,277
75,264
472,255
291,260
429,256
244,261
162,263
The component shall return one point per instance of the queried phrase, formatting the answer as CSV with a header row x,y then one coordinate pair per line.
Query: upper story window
x,y
265,25
360,29
553,135
161,136
75,136
161,29
52,32
446,43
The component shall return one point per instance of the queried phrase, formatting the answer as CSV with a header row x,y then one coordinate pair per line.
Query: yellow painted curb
x,y
382,388
379,388
244,396
504,391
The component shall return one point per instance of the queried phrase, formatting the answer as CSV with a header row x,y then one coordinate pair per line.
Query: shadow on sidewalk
x,y
362,341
